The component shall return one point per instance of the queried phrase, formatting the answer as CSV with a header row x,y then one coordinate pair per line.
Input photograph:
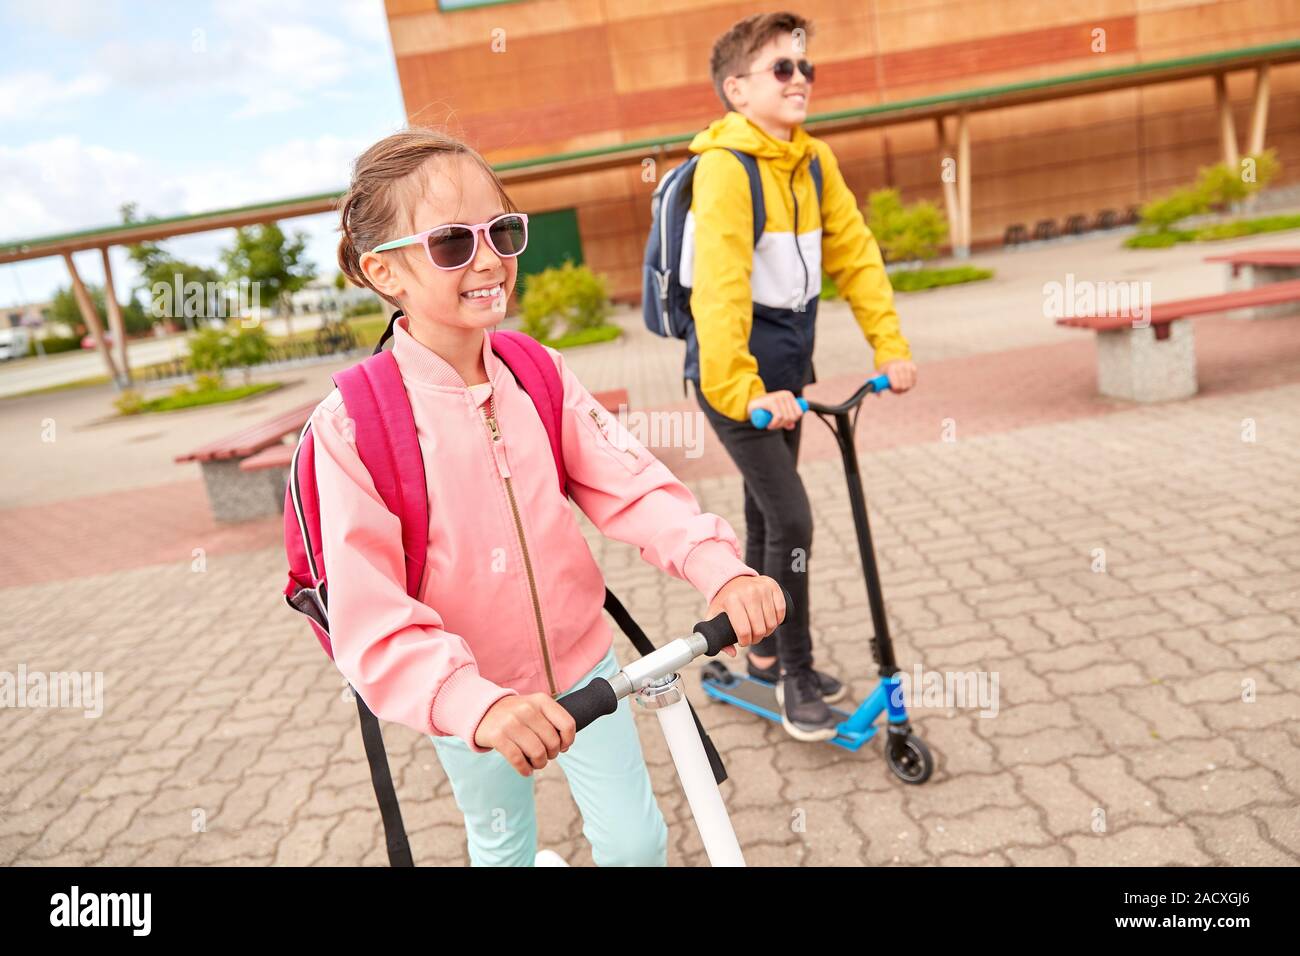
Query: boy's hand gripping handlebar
x,y
761,417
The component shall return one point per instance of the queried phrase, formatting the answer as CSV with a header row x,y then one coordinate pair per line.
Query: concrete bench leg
x,y
240,495
1133,364
1255,276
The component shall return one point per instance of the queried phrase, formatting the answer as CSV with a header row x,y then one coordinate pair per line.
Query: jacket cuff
x,y
460,704
892,353
710,565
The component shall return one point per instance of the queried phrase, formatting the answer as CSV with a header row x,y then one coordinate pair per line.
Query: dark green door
x,y
552,238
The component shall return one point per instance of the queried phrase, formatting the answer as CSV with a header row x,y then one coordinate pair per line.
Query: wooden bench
x,y
246,472
1259,267
1156,361
236,493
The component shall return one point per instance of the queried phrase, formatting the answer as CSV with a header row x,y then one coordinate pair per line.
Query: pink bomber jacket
x,y
512,597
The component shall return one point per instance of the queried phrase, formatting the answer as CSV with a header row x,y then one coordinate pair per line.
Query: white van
x,y
13,343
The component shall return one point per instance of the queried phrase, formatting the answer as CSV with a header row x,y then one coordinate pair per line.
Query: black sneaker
x,y
832,690
804,714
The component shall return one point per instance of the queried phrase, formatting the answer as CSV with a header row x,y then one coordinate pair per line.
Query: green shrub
x,y
214,350
207,383
1216,187
54,344
1160,215
130,402
905,232
1221,186
570,294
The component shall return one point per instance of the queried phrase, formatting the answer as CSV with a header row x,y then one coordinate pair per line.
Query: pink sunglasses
x,y
454,245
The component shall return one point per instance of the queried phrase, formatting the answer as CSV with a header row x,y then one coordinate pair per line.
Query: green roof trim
x,y
11,245
879,109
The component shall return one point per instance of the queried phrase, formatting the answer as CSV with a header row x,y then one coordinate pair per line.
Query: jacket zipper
x,y
797,247
498,452
595,417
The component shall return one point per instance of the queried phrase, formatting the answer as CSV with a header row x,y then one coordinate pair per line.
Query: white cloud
x,y
62,184
79,19
268,55
31,93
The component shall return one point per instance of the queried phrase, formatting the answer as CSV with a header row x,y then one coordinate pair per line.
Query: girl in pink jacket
x,y
509,615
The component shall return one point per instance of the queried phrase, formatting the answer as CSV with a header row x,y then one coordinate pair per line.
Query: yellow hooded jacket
x,y
732,280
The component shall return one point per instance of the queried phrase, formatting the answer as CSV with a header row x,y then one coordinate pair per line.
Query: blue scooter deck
x,y
759,697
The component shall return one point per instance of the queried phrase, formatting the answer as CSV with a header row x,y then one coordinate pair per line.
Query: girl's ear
x,y
382,276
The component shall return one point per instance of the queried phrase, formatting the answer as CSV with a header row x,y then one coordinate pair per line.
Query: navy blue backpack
x,y
665,302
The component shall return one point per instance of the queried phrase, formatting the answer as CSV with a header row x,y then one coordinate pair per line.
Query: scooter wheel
x,y
914,764
717,672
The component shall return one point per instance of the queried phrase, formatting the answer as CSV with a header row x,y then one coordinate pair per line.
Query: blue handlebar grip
x,y
880,383
761,417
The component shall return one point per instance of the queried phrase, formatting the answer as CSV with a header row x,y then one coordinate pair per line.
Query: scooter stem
x,y
666,698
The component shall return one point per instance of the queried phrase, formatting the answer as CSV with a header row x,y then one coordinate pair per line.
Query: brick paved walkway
x,y
1121,691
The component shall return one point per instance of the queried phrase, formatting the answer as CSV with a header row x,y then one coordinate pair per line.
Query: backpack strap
x,y
755,191
756,187
384,429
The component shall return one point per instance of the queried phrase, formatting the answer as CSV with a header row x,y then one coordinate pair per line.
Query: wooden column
x,y
963,182
1227,131
950,204
115,321
1259,113
91,317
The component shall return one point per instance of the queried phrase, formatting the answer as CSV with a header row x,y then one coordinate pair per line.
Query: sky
x,y
181,106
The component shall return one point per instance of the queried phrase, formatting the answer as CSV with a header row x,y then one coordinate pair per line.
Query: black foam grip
x,y
587,703
719,633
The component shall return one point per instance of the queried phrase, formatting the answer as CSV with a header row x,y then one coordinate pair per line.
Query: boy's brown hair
x,y
734,50
382,188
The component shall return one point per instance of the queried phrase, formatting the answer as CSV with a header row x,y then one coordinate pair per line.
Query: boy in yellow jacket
x,y
754,309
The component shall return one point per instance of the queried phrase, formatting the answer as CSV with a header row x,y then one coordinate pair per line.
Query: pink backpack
x,y
375,398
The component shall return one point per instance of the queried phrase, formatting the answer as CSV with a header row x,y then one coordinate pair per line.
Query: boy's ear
x,y
734,91
383,278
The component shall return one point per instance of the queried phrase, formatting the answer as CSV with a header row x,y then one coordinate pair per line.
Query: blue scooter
x,y
907,755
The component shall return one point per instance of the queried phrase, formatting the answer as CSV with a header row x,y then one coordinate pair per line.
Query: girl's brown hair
x,y
382,185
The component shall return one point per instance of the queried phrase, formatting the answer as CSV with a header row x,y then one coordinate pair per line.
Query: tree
x,y
263,254
158,268
64,309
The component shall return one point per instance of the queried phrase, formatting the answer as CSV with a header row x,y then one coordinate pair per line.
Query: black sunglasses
x,y
783,70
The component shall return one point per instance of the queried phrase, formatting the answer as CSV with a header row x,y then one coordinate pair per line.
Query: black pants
x,y
778,523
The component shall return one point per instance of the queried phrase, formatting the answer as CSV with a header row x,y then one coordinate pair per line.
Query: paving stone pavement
x,y
1132,579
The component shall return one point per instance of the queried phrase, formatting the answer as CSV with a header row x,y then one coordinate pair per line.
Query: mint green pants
x,y
608,779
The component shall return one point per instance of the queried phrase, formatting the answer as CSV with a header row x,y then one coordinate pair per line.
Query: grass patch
x,y
368,328
130,403
915,280
601,333
1163,239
